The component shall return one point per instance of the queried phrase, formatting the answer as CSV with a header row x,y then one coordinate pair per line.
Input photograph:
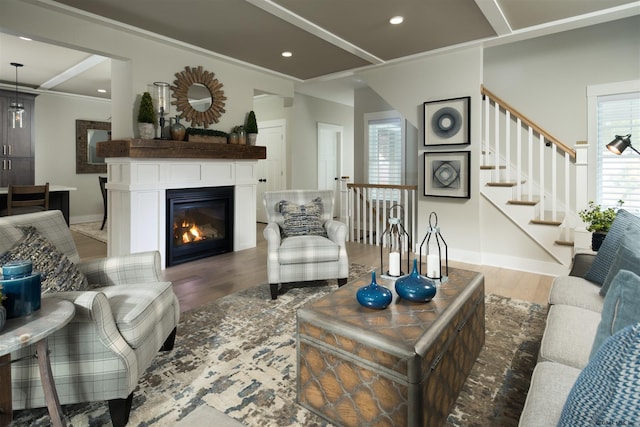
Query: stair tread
x,y
491,167
502,184
564,243
533,202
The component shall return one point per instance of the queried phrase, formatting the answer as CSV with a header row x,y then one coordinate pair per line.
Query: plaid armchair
x,y
120,323
303,258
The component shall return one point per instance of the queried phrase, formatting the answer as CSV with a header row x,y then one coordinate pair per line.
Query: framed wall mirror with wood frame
x,y
88,134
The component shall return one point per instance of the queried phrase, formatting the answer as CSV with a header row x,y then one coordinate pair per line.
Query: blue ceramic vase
x,y
374,295
21,288
415,287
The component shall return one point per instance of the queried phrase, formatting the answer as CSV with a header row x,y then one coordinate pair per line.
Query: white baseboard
x,y
512,263
84,218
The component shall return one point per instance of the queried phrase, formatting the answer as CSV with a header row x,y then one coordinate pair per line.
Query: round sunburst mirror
x,y
198,96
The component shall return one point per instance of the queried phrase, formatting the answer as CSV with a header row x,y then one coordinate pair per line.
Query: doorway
x,y
271,171
330,160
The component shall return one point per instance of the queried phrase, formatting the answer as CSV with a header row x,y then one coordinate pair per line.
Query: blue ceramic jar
x,y
415,287
374,295
21,287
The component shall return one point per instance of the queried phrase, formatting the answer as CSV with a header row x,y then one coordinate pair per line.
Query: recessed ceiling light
x,y
24,38
396,20
102,90
287,54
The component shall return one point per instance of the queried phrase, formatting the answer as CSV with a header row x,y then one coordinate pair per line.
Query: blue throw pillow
x,y
621,307
627,258
607,391
607,252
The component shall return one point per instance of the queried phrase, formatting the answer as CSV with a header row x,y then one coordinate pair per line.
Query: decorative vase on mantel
x,y
373,295
177,130
415,287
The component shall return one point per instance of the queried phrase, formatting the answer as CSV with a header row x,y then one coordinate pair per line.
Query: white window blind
x,y
385,140
618,176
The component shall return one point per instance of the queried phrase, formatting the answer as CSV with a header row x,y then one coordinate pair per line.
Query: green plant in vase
x,y
146,117
599,220
251,127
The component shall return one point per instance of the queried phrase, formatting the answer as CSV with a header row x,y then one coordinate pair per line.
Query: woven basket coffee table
x,y
401,366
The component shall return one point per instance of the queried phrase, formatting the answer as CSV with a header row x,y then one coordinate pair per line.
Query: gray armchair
x,y
301,258
120,323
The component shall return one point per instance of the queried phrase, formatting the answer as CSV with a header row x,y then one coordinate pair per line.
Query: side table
x,y
33,329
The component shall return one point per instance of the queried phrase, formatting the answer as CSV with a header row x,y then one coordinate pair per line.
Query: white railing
x,y
537,172
370,206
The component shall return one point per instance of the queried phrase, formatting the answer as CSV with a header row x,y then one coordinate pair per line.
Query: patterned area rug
x,y
238,355
91,229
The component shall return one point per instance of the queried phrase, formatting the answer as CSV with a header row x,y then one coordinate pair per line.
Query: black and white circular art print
x,y
446,122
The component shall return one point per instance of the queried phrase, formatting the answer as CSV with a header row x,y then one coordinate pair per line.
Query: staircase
x,y
522,166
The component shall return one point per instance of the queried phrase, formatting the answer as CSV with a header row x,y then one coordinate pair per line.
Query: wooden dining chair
x,y
27,198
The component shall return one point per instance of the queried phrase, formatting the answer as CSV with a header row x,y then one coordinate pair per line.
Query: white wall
x,y
405,87
303,145
546,78
55,149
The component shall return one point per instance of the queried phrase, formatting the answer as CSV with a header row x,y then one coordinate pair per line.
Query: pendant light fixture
x,y
16,108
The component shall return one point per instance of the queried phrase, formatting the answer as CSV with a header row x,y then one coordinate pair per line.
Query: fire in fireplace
x,y
199,223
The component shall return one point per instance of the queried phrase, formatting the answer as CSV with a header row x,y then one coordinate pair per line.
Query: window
x,y
384,133
618,176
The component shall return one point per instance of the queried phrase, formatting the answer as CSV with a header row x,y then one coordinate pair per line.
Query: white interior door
x,y
329,160
271,171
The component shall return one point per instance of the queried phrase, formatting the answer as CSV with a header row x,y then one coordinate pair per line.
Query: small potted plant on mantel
x,y
252,128
146,117
598,221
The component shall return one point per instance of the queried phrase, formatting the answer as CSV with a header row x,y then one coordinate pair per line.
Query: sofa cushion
x,y
135,308
302,220
52,225
627,258
607,252
569,335
308,249
607,392
9,236
550,385
576,291
58,272
621,307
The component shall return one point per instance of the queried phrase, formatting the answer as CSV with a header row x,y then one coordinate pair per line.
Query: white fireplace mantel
x,y
136,199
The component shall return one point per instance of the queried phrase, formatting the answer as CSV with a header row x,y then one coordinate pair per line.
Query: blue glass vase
x,y
415,287
374,295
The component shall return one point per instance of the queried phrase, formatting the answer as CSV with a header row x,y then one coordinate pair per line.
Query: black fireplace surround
x,y
199,223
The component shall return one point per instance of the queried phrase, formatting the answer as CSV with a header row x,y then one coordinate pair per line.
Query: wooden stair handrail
x,y
564,147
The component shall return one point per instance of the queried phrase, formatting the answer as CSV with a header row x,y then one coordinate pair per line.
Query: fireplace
x,y
199,223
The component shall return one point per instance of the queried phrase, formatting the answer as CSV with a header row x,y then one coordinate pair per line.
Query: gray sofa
x,y
574,305
589,355
125,316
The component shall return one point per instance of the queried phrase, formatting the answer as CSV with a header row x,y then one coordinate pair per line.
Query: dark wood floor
x,y
200,282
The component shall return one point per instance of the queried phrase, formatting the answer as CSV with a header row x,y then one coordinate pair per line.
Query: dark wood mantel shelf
x,y
168,149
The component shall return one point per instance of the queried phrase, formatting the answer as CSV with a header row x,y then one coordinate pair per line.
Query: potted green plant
x,y
251,127
599,221
146,117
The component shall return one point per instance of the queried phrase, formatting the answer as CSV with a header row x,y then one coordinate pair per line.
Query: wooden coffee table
x,y
402,366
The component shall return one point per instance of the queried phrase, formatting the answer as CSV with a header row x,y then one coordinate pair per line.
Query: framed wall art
x,y
447,122
447,174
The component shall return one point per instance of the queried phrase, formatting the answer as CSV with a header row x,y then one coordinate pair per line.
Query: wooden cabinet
x,y
17,146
